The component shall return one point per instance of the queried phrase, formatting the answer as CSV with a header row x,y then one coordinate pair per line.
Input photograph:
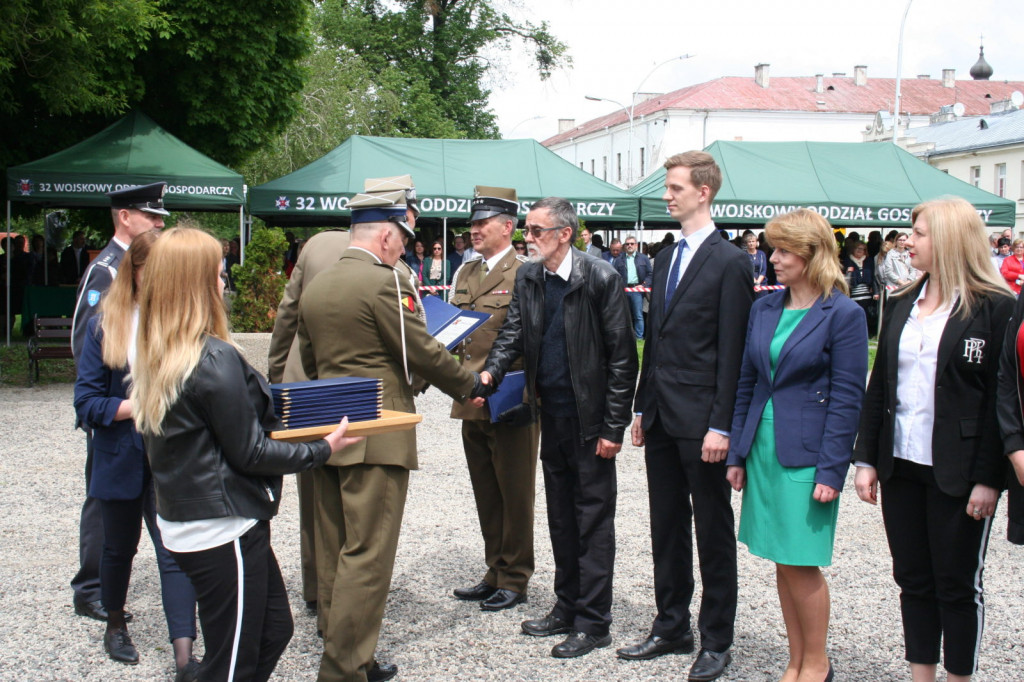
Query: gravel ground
x,y
427,632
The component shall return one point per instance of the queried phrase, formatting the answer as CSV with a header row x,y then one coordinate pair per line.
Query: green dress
x,y
780,519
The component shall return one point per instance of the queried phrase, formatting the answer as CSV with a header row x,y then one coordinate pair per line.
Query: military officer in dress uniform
x,y
358,318
134,210
502,456
321,251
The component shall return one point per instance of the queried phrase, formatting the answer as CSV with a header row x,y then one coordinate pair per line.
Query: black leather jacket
x,y
214,458
599,336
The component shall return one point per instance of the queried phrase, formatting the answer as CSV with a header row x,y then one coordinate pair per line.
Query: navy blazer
x,y
818,387
119,455
644,271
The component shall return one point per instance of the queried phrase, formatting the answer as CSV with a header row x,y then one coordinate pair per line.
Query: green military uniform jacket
x,y
491,295
350,324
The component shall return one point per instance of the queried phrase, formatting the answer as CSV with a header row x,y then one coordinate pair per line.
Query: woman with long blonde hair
x,y
204,413
797,405
120,478
929,435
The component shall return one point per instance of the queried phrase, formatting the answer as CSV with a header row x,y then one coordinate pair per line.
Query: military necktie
x,y
483,270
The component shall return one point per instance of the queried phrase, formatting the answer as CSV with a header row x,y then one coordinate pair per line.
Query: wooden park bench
x,y
51,340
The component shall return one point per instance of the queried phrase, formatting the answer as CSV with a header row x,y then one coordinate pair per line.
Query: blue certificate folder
x,y
326,401
450,324
508,395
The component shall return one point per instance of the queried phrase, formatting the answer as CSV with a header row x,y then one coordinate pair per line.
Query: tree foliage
x,y
221,75
431,53
259,282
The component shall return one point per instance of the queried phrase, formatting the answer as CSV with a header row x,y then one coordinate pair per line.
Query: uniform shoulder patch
x,y
92,297
410,303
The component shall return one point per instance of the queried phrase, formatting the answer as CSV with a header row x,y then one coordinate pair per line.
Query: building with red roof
x,y
835,108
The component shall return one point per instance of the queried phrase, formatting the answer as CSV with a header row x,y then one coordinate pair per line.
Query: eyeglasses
x,y
537,231
437,248
630,243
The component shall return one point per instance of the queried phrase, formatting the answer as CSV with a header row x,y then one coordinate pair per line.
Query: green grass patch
x,y
14,363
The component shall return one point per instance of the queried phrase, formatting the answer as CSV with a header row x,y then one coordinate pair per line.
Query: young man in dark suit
x,y
700,302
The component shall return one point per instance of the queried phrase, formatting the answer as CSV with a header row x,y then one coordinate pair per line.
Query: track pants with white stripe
x,y
243,607
938,557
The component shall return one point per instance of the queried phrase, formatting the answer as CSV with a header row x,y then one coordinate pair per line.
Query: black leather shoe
x,y
380,672
655,646
503,599
478,592
709,665
119,645
190,673
545,627
579,644
95,610
311,607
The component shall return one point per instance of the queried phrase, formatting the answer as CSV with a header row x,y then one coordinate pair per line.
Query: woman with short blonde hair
x,y
204,413
797,405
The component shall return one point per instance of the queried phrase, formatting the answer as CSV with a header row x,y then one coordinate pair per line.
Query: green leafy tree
x,y
221,75
431,53
259,282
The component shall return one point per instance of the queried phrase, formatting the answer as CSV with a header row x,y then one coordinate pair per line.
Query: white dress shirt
x,y
693,243
915,387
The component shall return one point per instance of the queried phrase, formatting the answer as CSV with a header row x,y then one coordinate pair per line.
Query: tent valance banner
x,y
849,183
132,151
444,171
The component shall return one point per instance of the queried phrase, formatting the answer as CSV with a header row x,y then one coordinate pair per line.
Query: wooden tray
x,y
390,420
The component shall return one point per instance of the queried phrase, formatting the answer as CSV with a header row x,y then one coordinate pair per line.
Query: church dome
x,y
981,71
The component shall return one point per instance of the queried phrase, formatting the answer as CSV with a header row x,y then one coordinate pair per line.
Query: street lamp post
x,y
899,72
631,111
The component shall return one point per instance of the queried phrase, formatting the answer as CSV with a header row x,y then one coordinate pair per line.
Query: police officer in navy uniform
x,y
502,456
134,210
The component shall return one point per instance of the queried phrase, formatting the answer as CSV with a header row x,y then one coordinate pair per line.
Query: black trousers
x,y
687,493
86,583
581,492
243,607
122,527
938,557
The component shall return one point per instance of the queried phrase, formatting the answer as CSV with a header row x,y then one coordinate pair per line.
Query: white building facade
x,y
820,108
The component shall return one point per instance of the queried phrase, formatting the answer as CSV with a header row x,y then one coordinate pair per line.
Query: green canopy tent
x,y
132,151
851,184
445,172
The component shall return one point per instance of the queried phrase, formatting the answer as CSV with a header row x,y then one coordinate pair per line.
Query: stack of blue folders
x,y
325,401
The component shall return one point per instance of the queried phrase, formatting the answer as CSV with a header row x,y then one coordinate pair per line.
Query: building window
x,y
643,163
1001,179
618,167
592,171
604,168
976,176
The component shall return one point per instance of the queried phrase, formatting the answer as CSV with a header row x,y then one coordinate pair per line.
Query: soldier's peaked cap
x,y
390,184
148,198
380,207
492,201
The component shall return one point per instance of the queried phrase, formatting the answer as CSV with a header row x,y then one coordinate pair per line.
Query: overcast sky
x,y
616,43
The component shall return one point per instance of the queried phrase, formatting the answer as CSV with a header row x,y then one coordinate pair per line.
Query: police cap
x,y
148,198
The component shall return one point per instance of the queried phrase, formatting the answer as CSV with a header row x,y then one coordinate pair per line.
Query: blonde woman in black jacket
x,y
929,435
204,414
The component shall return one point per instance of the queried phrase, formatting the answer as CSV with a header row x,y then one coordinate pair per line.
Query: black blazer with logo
x,y
966,446
693,351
